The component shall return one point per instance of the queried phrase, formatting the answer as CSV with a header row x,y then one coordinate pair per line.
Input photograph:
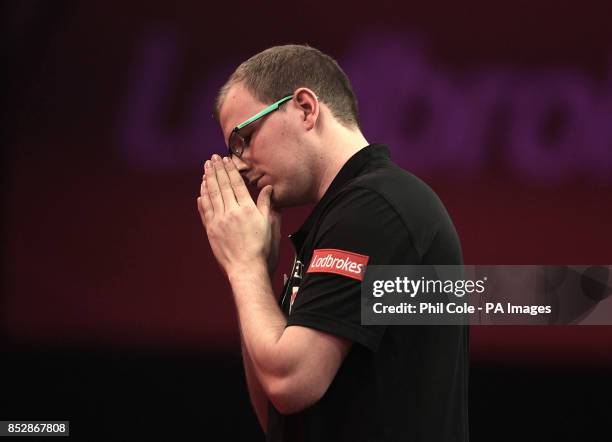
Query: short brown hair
x,y
280,70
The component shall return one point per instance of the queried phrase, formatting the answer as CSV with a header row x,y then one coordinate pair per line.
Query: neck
x,y
337,148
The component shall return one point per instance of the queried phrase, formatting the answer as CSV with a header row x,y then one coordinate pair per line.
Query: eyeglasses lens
x,y
236,144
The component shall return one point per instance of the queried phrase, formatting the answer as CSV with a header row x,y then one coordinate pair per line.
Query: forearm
x,y
262,324
258,397
294,365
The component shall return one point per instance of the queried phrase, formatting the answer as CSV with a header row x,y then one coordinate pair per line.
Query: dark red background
x,y
100,254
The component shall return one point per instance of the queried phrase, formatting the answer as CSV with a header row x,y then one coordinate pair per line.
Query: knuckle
x,y
214,228
233,213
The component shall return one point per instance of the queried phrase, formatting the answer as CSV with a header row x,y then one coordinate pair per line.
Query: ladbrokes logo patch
x,y
339,262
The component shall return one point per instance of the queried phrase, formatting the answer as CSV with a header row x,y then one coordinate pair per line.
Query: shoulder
x,y
359,207
401,190
388,201
360,220
394,190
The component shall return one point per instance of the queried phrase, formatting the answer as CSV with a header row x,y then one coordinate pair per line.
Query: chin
x,y
288,196
278,201
279,198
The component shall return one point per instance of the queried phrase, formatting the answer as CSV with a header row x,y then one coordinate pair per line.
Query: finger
x,y
275,219
276,224
227,193
212,186
240,189
205,205
263,201
201,210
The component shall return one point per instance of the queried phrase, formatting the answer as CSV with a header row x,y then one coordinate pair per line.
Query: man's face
x,y
276,154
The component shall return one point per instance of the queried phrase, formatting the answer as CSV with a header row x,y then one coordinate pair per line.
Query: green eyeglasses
x,y
236,142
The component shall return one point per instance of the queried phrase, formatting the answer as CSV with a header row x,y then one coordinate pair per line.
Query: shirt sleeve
x,y
359,221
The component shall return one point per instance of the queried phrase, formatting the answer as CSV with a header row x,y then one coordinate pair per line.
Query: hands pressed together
x,y
243,235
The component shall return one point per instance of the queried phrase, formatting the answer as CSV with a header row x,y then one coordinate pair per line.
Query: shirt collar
x,y
353,167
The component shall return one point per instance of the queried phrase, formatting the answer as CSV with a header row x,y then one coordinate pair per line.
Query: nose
x,y
240,164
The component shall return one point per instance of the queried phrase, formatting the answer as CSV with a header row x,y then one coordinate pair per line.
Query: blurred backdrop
x,y
114,313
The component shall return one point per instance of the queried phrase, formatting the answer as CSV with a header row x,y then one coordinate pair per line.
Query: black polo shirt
x,y
398,383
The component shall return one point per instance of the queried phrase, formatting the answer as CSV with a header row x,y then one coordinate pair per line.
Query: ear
x,y
308,104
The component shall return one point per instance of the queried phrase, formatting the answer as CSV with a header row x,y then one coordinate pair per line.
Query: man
x,y
314,373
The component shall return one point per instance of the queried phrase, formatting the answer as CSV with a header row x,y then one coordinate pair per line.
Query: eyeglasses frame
x,y
236,131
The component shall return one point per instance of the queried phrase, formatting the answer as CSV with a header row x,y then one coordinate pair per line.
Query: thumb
x,y
264,200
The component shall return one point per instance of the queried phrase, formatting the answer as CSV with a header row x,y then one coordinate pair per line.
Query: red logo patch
x,y
339,262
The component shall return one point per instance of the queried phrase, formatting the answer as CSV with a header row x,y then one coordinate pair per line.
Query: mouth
x,y
254,184
259,183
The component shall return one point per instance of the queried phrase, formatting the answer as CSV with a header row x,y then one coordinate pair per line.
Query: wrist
x,y
254,270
